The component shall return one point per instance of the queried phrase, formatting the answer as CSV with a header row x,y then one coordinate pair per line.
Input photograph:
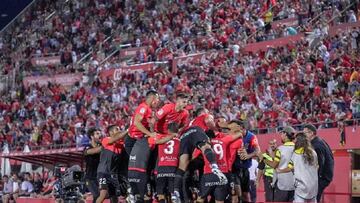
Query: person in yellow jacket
x,y
267,171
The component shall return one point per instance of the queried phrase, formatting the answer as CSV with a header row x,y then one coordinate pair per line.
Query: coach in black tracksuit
x,y
325,159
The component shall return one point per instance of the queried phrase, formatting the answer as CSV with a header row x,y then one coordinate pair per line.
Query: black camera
x,y
70,183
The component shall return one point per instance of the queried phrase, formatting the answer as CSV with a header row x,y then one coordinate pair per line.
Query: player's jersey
x,y
110,156
200,122
249,143
168,153
220,146
233,151
167,114
144,110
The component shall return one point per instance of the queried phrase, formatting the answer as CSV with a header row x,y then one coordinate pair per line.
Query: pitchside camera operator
x,y
92,159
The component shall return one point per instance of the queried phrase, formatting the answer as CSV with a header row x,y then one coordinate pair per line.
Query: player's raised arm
x,y
173,128
138,123
115,134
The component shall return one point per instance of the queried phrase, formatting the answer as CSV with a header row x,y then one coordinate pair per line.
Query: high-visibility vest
x,y
269,171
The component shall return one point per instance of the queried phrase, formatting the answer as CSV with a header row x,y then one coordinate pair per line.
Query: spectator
x,y
26,186
304,165
283,180
352,17
325,159
7,190
37,183
16,187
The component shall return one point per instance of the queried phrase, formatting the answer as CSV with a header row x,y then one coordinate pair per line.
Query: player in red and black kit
x,y
209,182
173,113
138,162
167,163
195,137
235,146
110,162
241,155
140,122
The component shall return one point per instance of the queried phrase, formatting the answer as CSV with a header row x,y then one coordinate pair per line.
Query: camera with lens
x,y
69,184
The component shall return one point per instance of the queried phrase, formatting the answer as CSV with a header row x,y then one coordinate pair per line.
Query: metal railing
x,y
11,23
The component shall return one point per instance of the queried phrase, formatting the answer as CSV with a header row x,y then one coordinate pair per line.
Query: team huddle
x,y
164,156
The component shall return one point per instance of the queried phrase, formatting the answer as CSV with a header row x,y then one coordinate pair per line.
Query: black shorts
x,y
138,182
210,185
108,182
191,139
129,144
164,184
242,178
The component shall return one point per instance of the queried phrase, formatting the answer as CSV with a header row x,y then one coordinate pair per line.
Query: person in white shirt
x,y
352,17
7,188
15,187
253,170
26,186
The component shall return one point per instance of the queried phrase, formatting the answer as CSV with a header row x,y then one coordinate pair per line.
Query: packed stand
x,y
203,26
284,86
26,185
76,28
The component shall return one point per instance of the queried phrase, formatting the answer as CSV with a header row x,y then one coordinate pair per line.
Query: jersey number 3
x,y
170,147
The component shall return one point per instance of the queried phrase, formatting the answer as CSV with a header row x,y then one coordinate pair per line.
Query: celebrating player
x,y
209,182
168,154
139,158
246,150
172,112
140,122
110,162
195,137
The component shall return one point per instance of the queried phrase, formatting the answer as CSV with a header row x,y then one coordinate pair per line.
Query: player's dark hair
x,y
210,133
151,93
181,96
92,131
173,127
111,127
198,111
238,122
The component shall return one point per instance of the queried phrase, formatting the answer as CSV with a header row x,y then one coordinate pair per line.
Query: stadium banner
x,y
342,27
45,61
115,73
283,41
183,60
130,52
63,79
279,42
287,22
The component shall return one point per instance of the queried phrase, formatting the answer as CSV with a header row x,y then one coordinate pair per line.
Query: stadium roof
x,y
49,157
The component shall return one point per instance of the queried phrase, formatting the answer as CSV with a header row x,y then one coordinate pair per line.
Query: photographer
x,y
92,159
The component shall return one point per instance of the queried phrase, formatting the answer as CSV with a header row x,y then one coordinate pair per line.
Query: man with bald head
x,y
267,171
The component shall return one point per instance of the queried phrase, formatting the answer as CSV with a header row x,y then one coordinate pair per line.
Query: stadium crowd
x,y
75,28
26,185
284,86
